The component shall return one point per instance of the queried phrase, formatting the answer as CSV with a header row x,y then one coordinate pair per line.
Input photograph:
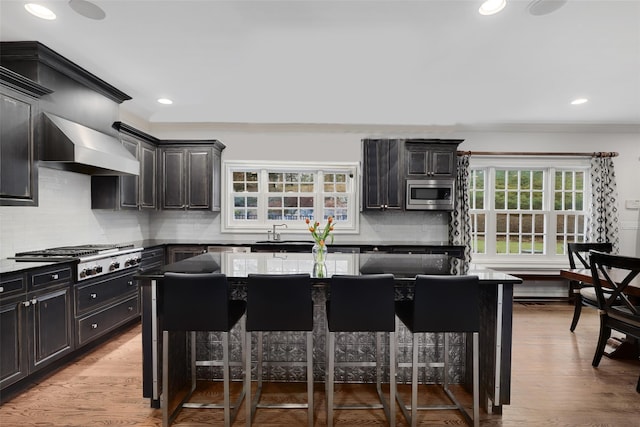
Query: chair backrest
x,y
279,302
615,272
361,303
195,302
446,304
580,251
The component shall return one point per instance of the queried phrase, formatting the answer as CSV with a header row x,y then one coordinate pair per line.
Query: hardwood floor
x,y
553,384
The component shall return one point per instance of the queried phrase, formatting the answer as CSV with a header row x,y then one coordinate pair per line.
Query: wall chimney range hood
x,y
70,146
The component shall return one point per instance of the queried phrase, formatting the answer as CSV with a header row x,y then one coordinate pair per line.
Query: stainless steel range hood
x,y
70,146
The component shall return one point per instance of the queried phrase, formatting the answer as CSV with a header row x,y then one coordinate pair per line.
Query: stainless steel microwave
x,y
430,194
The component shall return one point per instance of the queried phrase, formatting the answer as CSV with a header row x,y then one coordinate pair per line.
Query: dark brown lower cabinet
x,y
177,253
101,305
44,316
36,326
13,345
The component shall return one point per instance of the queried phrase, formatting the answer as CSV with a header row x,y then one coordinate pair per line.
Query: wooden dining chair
x,y
583,294
621,310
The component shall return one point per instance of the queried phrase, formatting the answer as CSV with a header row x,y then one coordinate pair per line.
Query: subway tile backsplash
x,y
64,217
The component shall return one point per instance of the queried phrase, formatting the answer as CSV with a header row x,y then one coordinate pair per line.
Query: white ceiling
x,y
420,62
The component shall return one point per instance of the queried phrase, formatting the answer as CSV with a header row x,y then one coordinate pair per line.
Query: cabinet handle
x,y
94,326
130,308
55,276
26,303
34,301
93,296
1,289
130,283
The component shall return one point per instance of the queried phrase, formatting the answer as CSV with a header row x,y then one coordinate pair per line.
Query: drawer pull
x,y
1,289
26,303
55,276
130,283
94,326
130,308
34,301
93,296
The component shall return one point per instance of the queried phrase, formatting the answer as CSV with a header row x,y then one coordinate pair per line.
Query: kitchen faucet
x,y
276,235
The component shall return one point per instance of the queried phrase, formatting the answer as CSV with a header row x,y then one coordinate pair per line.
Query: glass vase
x,y
319,253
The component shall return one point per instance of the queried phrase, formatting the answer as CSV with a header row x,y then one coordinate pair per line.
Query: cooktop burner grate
x,y
75,251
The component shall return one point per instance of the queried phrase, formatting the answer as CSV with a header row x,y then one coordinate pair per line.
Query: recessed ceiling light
x,y
491,7
87,9
545,7
579,101
40,11
165,101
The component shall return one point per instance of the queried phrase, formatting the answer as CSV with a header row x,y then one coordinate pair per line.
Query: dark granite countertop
x,y
404,266
285,241
12,266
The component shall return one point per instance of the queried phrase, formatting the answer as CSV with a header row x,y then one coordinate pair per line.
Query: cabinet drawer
x,y
153,253
12,284
103,321
94,294
151,257
44,278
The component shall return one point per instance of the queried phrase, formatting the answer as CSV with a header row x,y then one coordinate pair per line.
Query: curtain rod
x,y
544,153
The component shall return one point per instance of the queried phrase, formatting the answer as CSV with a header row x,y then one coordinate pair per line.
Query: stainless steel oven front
x,y
430,194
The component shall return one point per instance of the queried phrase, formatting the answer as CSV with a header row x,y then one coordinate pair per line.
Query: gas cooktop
x,y
93,260
74,251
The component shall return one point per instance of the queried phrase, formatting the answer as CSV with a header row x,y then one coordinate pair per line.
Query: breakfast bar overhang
x,y
495,311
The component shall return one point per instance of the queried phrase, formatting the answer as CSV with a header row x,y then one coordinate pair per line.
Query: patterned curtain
x,y
460,222
602,219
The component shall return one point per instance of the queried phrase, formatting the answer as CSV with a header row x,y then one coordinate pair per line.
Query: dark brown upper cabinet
x,y
19,114
430,158
383,183
130,191
190,173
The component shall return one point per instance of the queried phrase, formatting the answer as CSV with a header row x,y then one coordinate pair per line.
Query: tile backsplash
x,y
64,217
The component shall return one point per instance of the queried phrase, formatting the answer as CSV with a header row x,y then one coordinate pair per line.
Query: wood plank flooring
x,y
553,384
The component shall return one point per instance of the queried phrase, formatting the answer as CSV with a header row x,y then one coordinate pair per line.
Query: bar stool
x,y
198,302
278,303
362,304
442,304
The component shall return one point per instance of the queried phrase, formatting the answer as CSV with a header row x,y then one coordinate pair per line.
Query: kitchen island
x,y
495,334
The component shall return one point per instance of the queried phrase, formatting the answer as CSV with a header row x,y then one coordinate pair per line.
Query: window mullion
x,y
490,185
551,218
263,196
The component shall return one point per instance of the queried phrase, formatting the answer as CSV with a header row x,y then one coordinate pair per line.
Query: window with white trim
x,y
533,207
259,195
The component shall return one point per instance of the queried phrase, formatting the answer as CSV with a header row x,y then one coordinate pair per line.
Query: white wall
x,y
64,216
